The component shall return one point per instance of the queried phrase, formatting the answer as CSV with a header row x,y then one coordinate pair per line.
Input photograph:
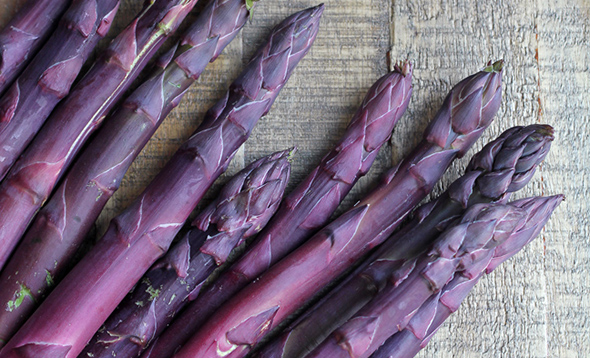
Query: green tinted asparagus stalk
x,y
309,206
465,246
32,97
242,209
41,259
261,306
501,167
25,34
136,238
432,314
35,174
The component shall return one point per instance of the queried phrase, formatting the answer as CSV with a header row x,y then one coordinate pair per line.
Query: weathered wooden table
x,y
536,305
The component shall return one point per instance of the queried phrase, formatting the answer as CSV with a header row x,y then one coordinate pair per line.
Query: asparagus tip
x,y
318,10
546,131
403,67
494,67
291,153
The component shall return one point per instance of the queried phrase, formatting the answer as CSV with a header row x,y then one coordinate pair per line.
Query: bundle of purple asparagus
x,y
32,178
32,97
248,316
150,302
242,209
429,317
142,233
501,167
465,247
24,35
309,206
44,254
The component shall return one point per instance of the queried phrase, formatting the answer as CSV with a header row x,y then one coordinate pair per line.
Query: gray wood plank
x,y
564,59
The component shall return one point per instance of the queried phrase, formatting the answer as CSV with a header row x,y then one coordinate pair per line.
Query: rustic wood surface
x,y
536,305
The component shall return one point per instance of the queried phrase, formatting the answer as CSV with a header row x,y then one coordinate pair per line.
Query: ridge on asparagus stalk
x,y
25,34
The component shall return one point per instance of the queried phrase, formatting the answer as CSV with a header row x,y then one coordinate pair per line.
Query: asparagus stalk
x,y
241,210
426,321
45,252
34,175
78,306
262,305
32,97
308,207
501,167
465,246
25,34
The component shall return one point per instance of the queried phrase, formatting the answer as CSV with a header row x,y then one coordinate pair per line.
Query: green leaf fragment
x,y
250,5
153,292
49,279
19,298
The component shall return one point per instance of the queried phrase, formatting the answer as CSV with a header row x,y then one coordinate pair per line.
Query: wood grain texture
x,y
536,305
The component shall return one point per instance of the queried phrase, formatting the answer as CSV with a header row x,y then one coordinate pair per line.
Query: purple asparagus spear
x,y
464,246
308,207
501,167
136,238
31,98
25,34
57,231
426,321
242,209
262,305
32,178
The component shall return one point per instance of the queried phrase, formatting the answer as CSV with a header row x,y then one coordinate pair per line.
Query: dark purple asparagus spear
x,y
242,209
501,167
249,315
432,314
465,246
25,34
60,227
308,207
136,238
31,98
34,175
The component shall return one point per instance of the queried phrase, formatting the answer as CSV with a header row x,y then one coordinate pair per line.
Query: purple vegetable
x,y
46,250
502,166
33,177
465,246
242,209
24,35
249,315
47,80
136,238
308,207
426,321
